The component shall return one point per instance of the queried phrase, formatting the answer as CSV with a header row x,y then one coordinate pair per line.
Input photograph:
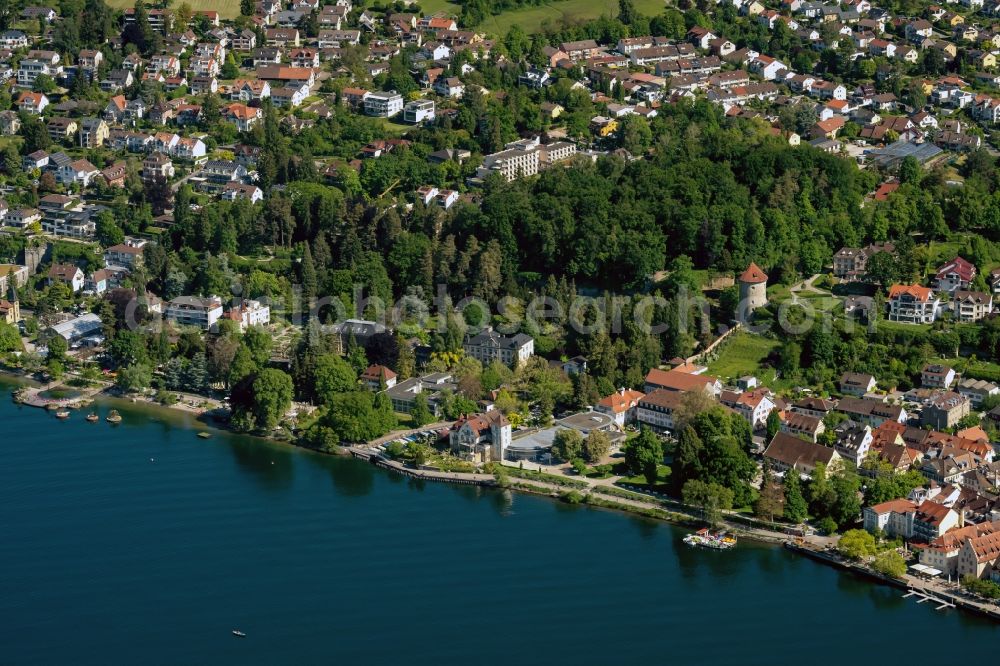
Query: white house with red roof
x,y
754,406
954,275
32,102
620,405
912,304
481,437
377,377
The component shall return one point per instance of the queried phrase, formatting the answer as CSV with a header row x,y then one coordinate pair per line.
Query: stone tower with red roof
x,y
753,291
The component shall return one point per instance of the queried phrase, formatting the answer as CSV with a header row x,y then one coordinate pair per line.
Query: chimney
x,y
961,517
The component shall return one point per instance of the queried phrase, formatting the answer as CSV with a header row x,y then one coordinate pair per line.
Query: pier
x,y
923,596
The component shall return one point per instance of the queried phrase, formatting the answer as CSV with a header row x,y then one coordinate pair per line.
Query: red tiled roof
x,y
753,274
915,290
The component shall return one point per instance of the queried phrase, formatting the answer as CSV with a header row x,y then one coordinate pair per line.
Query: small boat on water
x,y
62,415
113,417
238,633
93,417
705,538
205,435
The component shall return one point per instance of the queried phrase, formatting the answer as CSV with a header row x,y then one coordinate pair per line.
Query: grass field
x,y
440,6
743,355
573,11
227,8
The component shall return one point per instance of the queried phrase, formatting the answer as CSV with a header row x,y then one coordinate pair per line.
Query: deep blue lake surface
x,y
143,544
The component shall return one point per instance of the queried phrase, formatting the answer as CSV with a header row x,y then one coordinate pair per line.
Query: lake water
x,y
143,544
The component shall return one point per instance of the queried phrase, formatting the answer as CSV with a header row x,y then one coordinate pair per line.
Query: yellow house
x,y
955,19
603,126
551,110
10,312
755,8
946,47
987,60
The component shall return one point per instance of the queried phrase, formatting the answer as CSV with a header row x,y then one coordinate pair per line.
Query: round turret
x,y
753,291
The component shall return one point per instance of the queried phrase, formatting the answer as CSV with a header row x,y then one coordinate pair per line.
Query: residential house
x,y
871,412
249,90
157,166
233,191
32,102
98,282
67,274
801,425
853,441
789,453
418,111
971,306
481,437
816,407
378,378
677,380
912,304
194,311
93,132
893,518
383,104
857,383
932,520
956,274
241,115
621,405
80,172
61,129
753,405
489,345
127,255
935,375
977,390
249,313
656,409
114,175
945,410
10,123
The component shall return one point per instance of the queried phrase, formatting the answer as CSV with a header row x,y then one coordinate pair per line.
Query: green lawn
x,y
573,11
440,6
743,355
902,326
395,128
227,8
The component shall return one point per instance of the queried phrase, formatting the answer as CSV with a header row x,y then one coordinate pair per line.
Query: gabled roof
x,y
678,381
792,451
621,401
960,267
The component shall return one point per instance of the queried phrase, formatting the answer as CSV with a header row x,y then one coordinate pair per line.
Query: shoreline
x,y
649,508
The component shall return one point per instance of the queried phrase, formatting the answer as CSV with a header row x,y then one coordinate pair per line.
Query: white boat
x,y
238,633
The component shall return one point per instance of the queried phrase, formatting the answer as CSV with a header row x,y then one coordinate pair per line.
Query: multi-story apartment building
x,y
194,311
489,346
383,104
913,304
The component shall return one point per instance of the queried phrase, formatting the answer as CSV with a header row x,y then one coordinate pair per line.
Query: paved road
x,y
807,285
